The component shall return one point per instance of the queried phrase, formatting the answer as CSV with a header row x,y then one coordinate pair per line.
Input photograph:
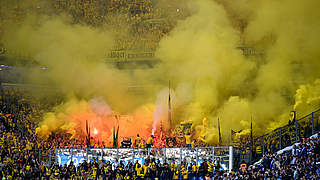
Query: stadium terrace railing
x,y
287,135
221,155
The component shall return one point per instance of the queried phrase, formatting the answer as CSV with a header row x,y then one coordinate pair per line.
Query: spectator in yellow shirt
x,y
137,141
188,140
150,142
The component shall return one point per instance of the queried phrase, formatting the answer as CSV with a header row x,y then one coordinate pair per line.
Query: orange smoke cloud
x,y
72,117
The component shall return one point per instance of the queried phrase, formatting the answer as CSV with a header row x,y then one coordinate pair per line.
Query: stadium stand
x,y
20,157
147,23
22,152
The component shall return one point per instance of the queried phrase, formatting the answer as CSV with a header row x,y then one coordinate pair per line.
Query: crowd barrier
x,y
221,155
287,135
130,55
112,55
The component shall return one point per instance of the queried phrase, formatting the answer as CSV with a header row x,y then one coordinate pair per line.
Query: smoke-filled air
x,y
233,60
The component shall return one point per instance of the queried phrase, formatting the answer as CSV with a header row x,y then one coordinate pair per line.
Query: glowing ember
x,y
95,131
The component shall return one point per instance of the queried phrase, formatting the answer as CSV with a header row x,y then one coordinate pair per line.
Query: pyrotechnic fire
x,y
101,119
95,131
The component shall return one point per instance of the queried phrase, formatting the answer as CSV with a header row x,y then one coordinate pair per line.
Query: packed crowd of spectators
x,y
17,138
19,155
146,22
143,21
20,147
302,161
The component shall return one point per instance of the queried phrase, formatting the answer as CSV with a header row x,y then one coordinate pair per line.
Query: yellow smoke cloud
x,y
210,75
307,97
202,50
